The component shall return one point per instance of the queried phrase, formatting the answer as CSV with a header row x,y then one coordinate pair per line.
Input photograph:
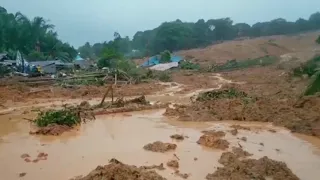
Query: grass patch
x,y
189,65
234,64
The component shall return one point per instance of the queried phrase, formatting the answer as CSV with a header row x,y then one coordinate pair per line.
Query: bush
x,y
164,77
189,65
108,58
314,86
66,116
310,67
165,57
4,70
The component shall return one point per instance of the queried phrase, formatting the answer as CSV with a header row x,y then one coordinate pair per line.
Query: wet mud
x,y
213,139
173,164
299,115
116,170
96,142
52,129
159,146
177,137
263,168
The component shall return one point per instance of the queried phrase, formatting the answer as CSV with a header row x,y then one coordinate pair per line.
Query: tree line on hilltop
x,y
178,35
34,38
37,39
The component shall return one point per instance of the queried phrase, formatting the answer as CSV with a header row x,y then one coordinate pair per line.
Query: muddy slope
x,y
271,98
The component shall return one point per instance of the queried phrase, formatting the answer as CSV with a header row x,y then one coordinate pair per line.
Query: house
x,y
48,67
154,60
82,63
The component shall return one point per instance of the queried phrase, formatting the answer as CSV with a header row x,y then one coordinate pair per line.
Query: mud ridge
x,y
159,146
116,170
263,168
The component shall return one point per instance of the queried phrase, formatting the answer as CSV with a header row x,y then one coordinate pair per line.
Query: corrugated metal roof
x,y
44,63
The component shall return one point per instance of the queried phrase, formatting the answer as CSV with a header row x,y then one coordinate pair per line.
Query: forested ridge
x,y
178,35
37,39
34,38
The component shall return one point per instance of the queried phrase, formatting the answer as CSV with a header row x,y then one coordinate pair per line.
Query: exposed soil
x,y
240,153
41,156
253,48
192,80
158,167
22,174
128,108
213,139
299,114
173,164
263,168
25,156
234,132
182,175
243,138
239,127
177,137
22,92
52,129
159,146
116,170
215,133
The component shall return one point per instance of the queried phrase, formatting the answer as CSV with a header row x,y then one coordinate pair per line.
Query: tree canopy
x,y
178,35
34,38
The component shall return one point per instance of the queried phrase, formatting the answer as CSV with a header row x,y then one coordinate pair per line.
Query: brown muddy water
x,y
123,136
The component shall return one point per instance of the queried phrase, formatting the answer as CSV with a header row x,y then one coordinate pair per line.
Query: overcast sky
x,y
79,21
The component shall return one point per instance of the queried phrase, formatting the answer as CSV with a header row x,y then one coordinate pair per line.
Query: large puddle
x,y
123,136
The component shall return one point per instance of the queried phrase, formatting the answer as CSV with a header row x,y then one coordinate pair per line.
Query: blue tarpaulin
x,y
154,60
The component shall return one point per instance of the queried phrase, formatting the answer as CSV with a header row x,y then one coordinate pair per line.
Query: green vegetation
x,y
35,39
66,116
164,76
221,94
4,70
309,68
189,65
234,64
177,35
165,57
314,86
312,69
318,40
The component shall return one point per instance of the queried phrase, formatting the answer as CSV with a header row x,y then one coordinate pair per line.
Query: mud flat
x,y
122,135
